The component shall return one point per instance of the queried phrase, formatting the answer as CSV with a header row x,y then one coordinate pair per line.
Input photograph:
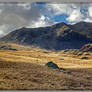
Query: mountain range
x,y
58,36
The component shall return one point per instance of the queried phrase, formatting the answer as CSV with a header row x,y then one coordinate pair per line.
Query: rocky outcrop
x,y
86,48
52,65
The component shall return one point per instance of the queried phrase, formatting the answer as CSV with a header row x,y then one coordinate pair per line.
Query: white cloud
x,y
75,16
59,8
75,12
88,20
3,28
62,8
42,22
90,11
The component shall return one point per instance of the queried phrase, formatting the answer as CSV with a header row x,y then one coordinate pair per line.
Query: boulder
x,y
84,58
52,65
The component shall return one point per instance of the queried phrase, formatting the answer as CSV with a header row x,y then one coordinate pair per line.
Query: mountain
x,y
84,28
58,36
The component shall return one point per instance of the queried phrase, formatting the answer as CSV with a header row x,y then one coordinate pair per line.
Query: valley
x,y
42,56
24,68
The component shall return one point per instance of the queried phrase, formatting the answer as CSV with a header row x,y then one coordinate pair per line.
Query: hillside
x,y
63,58
25,76
84,28
14,47
59,36
86,48
24,68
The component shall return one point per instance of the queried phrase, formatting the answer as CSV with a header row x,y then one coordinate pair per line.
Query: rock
x,y
68,72
79,53
52,65
87,54
61,58
12,49
3,47
84,58
66,50
86,48
62,69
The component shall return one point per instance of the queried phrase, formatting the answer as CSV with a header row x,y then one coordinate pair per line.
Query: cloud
x,y
14,16
75,12
18,14
59,8
71,10
5,29
90,11
75,16
42,22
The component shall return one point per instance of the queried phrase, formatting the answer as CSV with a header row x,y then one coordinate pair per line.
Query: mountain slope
x,y
28,76
84,28
58,36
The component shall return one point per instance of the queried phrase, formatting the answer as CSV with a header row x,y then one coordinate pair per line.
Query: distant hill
x,y
59,36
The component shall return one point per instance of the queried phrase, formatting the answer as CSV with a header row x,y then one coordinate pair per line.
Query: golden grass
x,y
24,69
41,57
24,76
20,75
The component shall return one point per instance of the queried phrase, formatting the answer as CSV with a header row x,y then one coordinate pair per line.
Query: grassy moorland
x,y
25,69
39,56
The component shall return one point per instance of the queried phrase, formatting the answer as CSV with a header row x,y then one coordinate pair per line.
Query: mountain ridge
x,y
58,36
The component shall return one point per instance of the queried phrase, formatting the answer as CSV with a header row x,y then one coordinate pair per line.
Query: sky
x,y
17,15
